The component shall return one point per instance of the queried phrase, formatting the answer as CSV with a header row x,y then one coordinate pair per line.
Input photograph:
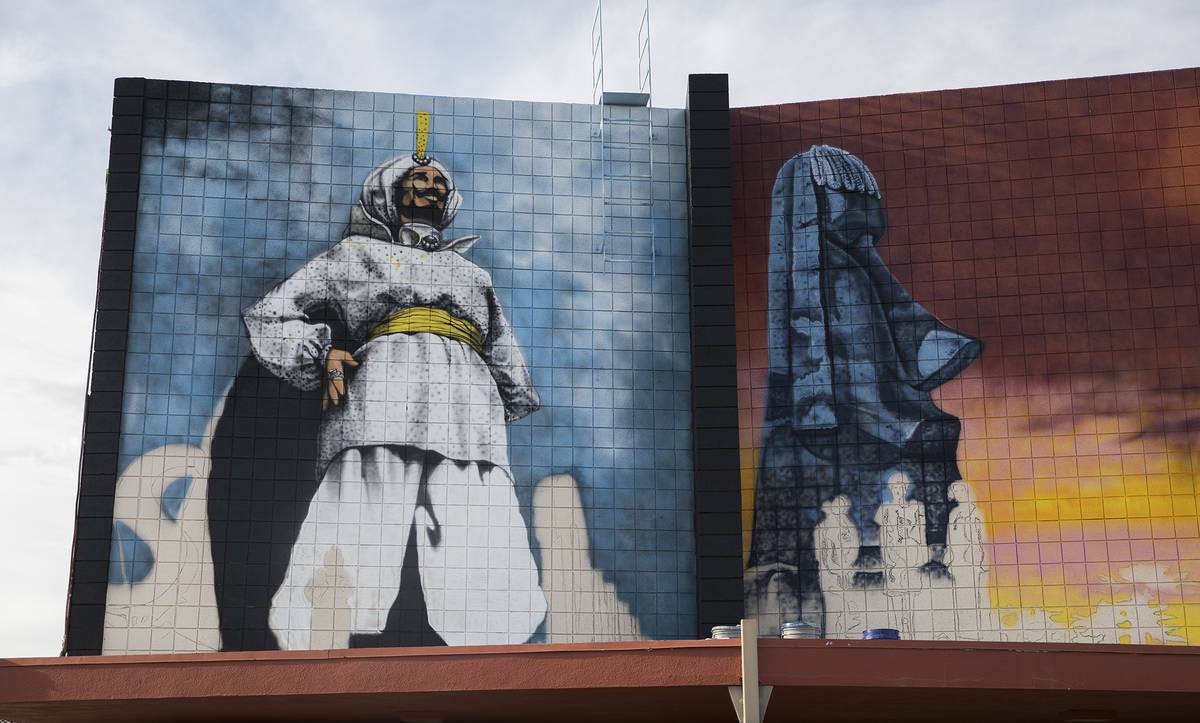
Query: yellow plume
x,y
422,133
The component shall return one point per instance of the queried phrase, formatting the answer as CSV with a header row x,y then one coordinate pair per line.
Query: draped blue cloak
x,y
852,361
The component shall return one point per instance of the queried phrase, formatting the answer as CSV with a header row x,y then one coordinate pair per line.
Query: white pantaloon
x,y
477,571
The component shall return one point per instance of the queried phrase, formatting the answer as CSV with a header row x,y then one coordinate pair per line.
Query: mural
x,y
849,418
347,427
1049,230
412,433
417,370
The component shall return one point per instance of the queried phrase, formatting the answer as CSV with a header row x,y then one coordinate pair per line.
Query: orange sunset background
x,y
1060,223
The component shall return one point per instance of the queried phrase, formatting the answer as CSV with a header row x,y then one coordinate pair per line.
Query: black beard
x,y
428,215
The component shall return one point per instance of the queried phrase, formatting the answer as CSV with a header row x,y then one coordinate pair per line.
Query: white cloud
x,y
43,362
22,61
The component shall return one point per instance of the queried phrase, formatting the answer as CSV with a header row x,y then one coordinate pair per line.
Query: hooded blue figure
x,y
853,359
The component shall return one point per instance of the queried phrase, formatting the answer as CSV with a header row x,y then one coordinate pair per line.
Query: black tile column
x,y
714,358
102,413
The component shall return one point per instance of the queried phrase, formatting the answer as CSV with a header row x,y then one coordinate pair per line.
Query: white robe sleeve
x,y
282,336
503,357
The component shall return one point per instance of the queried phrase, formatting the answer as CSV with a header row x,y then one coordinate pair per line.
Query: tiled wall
x,y
241,186
1051,222
714,381
1058,223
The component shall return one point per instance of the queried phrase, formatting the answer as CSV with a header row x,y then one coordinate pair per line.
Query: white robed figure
x,y
903,548
837,541
966,559
413,431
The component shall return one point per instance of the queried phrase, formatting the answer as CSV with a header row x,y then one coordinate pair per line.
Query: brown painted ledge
x,y
834,680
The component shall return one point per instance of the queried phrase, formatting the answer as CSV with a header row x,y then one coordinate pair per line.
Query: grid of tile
x,y
714,384
90,556
1057,222
240,186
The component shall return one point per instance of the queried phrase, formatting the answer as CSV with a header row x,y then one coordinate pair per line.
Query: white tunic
x,y
420,389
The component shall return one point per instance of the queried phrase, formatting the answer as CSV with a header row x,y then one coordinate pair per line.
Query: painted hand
x,y
335,382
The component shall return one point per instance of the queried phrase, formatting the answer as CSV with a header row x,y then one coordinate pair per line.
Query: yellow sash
x,y
417,319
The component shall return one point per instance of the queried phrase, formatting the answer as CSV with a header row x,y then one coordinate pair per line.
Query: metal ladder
x,y
626,135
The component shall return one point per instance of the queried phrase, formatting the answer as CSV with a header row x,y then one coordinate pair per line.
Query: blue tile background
x,y
238,192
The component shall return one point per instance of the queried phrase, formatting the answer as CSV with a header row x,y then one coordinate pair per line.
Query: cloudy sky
x,y
58,61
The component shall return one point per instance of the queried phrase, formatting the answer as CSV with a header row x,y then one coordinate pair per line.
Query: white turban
x,y
378,193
